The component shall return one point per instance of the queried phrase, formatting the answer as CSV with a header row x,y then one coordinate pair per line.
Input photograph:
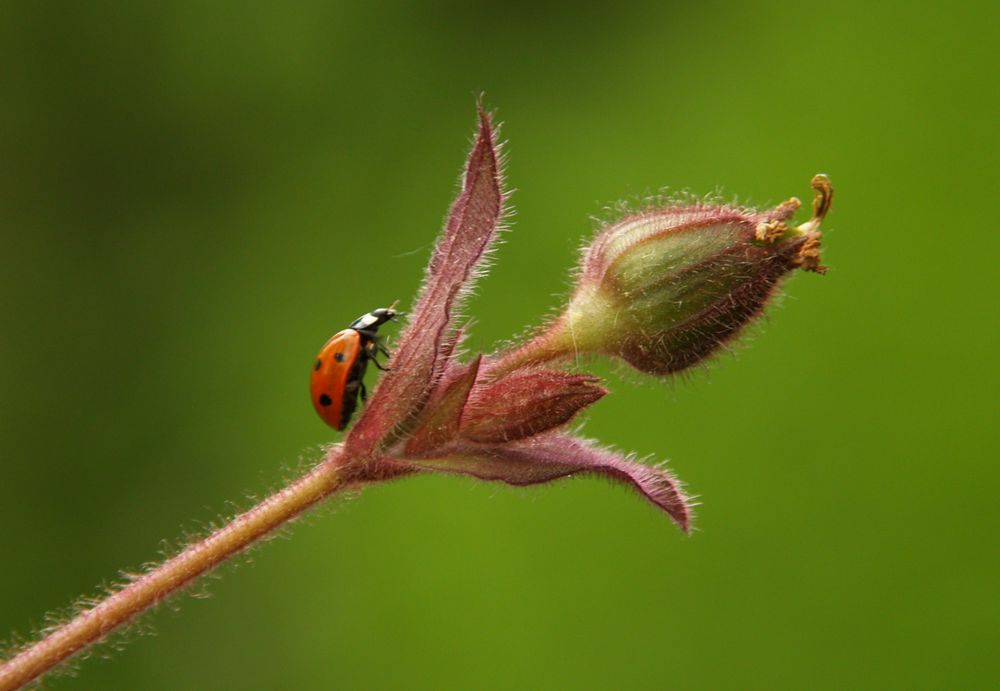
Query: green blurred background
x,y
195,196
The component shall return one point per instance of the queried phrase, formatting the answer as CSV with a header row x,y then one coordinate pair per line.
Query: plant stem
x,y
168,578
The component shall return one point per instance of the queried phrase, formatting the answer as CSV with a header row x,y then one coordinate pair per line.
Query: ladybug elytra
x,y
338,375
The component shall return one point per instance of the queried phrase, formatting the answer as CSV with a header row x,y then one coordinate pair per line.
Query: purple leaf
x,y
552,456
420,359
439,421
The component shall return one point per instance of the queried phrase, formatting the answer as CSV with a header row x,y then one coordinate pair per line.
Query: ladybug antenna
x,y
395,312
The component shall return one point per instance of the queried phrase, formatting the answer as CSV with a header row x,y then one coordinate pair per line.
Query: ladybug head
x,y
383,314
374,319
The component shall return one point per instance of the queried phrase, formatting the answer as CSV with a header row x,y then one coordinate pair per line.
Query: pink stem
x,y
168,578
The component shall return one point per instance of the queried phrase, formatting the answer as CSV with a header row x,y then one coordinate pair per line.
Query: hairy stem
x,y
168,578
576,332
540,350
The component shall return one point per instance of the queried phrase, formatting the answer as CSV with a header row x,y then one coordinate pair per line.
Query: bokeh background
x,y
194,196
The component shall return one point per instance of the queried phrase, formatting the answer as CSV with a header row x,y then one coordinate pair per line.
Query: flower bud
x,y
664,288
526,403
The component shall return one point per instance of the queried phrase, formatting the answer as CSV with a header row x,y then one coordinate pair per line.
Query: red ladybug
x,y
338,374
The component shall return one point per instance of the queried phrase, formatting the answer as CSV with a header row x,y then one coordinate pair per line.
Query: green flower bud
x,y
664,288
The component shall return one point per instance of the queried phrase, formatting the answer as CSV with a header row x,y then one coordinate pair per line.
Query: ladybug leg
x,y
364,393
372,349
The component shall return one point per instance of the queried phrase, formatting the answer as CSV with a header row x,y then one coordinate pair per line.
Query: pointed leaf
x,y
439,421
419,361
553,456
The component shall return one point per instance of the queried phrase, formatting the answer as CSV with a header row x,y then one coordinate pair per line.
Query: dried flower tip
x,y
775,227
808,256
821,203
770,231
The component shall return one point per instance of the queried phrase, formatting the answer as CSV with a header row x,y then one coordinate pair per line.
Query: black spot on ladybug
x,y
319,363
339,357
325,400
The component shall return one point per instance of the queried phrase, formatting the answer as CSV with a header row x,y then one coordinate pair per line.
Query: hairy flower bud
x,y
526,403
664,288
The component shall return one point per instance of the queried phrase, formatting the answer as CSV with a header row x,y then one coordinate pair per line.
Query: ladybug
x,y
338,374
